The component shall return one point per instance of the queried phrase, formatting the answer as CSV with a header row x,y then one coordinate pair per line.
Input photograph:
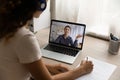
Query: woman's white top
x,y
21,49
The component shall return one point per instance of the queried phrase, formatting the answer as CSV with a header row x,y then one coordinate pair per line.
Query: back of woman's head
x,y
14,14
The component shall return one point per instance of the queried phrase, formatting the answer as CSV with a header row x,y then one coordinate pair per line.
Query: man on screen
x,y
66,39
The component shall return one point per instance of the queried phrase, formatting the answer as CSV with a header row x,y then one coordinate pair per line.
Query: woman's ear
x,y
37,14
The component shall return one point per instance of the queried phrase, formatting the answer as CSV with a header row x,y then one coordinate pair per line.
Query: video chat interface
x,y
57,28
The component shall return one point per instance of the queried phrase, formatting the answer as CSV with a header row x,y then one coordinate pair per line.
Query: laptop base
x,y
58,56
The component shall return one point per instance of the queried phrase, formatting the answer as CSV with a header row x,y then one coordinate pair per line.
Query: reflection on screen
x,y
67,34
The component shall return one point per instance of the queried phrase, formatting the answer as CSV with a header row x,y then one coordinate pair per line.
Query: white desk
x,y
93,47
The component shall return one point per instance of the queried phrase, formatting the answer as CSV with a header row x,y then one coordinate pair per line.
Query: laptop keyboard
x,y
62,50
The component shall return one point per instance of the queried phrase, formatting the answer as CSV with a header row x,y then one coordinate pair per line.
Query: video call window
x,y
67,34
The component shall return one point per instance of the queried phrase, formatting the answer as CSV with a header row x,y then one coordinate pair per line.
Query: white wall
x,y
113,13
44,20
100,16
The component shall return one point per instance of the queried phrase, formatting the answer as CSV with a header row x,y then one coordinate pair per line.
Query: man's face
x,y
67,31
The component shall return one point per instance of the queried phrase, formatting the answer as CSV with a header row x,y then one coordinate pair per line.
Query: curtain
x,y
101,17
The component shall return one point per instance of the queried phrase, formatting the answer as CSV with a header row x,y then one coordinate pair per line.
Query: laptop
x,y
65,41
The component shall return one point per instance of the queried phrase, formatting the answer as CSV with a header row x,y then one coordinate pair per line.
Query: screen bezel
x,y
69,23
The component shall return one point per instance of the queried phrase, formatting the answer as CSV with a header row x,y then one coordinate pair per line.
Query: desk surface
x,y
92,47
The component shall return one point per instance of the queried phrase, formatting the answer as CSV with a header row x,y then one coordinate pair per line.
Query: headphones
x,y
42,5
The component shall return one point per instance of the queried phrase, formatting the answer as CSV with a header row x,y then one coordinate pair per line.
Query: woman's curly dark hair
x,y
14,14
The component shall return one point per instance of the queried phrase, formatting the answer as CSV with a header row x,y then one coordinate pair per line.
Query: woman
x,y
20,56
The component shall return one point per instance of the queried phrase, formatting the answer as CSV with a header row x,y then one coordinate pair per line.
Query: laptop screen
x,y
67,34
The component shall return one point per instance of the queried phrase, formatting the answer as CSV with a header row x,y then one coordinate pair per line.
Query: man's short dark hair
x,y
68,27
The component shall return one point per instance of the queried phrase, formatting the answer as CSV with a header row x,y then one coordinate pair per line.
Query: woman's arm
x,y
57,68
84,68
40,72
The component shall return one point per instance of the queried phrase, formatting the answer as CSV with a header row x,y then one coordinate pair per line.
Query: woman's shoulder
x,y
23,32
